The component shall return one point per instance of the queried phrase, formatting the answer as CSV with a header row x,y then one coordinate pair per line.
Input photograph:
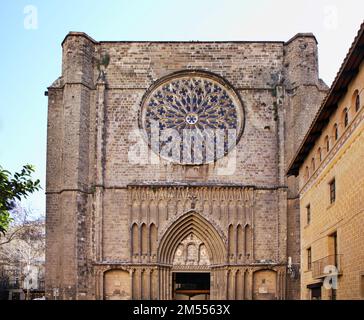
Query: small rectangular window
x,y
309,259
332,191
362,285
308,214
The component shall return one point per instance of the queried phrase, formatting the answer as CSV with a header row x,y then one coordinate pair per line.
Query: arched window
x,y
345,117
240,238
327,143
144,239
307,173
313,167
319,154
357,101
153,234
135,239
231,241
248,246
335,132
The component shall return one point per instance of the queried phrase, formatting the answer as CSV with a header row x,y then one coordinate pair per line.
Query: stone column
x,y
151,284
147,284
169,284
249,284
161,284
131,274
156,284
100,285
233,285
227,273
243,284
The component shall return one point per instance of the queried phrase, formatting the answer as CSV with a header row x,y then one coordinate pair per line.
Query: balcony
x,y
318,266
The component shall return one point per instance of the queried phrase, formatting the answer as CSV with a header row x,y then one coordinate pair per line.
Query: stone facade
x,y
332,228
114,227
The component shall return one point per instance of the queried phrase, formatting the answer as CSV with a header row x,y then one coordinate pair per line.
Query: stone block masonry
x,y
113,226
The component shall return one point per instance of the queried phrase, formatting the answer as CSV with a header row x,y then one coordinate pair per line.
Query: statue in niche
x,y
192,252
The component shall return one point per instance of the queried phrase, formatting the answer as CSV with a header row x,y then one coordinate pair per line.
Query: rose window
x,y
192,118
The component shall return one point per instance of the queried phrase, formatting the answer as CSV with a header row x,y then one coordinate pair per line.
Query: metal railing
x,y
320,267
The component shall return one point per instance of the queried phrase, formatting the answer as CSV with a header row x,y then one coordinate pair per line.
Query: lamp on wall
x,y
292,269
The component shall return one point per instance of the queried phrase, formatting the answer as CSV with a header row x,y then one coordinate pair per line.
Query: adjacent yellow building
x,y
330,165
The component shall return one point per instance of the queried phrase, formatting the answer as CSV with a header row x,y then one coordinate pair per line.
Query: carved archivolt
x,y
155,210
187,225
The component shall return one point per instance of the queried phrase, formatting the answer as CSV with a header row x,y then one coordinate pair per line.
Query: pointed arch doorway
x,y
191,270
191,285
192,247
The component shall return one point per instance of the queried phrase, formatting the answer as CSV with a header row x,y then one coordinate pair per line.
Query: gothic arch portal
x,y
192,223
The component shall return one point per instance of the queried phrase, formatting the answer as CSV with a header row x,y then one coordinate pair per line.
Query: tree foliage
x,y
13,188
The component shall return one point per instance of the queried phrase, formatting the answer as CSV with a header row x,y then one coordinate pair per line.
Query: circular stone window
x,y
191,118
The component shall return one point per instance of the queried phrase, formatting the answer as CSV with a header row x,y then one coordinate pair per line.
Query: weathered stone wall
x,y
251,68
93,109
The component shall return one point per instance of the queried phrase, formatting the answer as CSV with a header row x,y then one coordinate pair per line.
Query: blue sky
x,y
30,59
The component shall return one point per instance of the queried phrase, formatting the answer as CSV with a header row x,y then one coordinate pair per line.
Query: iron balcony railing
x,y
325,266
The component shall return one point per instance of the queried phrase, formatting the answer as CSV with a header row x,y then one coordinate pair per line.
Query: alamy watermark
x,y
31,17
331,280
187,146
331,17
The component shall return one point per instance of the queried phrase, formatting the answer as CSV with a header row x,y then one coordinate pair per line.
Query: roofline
x,y
78,34
85,35
302,35
347,71
190,41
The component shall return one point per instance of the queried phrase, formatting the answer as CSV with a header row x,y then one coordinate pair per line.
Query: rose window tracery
x,y
192,118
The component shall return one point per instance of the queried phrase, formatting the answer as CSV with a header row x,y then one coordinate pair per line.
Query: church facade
x,y
166,168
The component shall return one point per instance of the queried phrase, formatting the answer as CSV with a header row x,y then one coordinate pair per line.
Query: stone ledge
x,y
79,34
301,35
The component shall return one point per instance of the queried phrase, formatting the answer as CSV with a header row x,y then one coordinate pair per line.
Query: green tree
x,y
12,188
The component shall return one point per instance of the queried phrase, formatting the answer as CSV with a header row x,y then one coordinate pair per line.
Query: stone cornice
x,y
91,190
